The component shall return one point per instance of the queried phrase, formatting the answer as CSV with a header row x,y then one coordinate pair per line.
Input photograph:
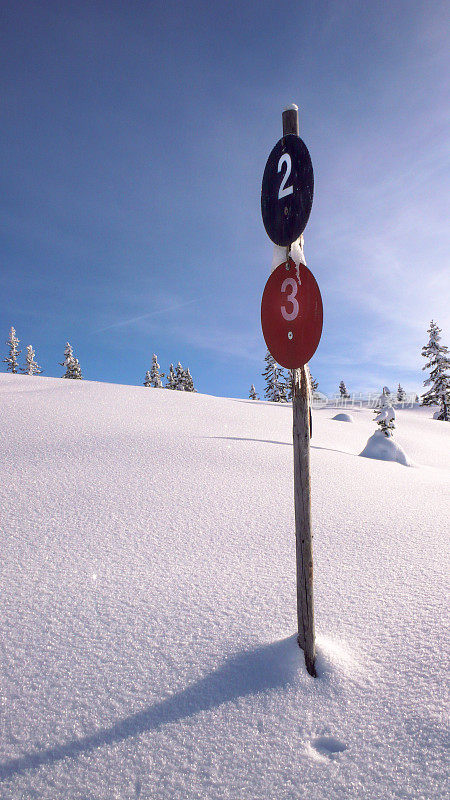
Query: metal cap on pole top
x,y
290,120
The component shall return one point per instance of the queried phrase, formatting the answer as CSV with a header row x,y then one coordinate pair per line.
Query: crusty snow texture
x,y
148,601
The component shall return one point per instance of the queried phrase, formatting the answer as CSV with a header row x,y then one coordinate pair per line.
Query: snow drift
x,y
385,448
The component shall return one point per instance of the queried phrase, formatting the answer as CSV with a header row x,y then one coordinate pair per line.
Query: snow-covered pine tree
x,y
179,378
269,376
76,370
72,365
314,387
155,376
12,360
252,394
285,377
438,362
401,394
275,389
385,415
284,384
188,382
289,385
68,360
343,391
148,380
31,367
171,378
283,390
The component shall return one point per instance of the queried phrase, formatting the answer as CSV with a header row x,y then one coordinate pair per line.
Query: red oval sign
x,y
292,315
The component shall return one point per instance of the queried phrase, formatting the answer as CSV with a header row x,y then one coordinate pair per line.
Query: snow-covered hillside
x,y
148,601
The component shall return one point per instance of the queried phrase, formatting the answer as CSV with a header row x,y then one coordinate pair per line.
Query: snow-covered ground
x,y
148,601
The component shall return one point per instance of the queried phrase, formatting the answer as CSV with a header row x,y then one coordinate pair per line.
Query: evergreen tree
x,y
179,378
12,360
285,376
385,415
343,391
283,392
72,365
68,360
401,394
76,370
314,387
188,382
155,376
269,376
438,362
252,394
276,389
31,367
171,378
148,380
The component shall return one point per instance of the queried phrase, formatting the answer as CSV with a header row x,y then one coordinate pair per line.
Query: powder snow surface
x,y
148,601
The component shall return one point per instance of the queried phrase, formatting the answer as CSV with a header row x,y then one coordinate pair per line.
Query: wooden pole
x,y
302,483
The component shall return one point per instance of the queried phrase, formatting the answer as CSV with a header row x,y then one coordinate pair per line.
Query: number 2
x,y
291,298
285,190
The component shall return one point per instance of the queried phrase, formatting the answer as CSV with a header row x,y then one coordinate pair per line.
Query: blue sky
x,y
134,138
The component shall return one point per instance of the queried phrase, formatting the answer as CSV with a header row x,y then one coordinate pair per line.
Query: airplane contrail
x,y
130,321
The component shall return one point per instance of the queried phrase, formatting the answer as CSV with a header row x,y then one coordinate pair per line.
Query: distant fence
x,y
360,400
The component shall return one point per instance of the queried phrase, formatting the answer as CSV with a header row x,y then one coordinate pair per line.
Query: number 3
x,y
285,190
291,298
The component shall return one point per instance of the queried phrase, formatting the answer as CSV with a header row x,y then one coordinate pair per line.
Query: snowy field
x,y
148,601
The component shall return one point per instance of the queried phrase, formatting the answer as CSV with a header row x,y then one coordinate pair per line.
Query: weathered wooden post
x,y
302,484
302,500
291,318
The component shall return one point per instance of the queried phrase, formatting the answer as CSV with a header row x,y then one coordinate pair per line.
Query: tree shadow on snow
x,y
269,667
270,403
271,441
244,439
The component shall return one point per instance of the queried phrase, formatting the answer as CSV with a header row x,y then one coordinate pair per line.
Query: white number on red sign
x,y
291,298
285,190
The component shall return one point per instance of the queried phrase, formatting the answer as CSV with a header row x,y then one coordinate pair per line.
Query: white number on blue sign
x,y
285,190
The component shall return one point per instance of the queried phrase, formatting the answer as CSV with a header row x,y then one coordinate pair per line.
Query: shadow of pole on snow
x,y
269,667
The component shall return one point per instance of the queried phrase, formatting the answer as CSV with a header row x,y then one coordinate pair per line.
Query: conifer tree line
x,y
31,367
278,382
179,379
